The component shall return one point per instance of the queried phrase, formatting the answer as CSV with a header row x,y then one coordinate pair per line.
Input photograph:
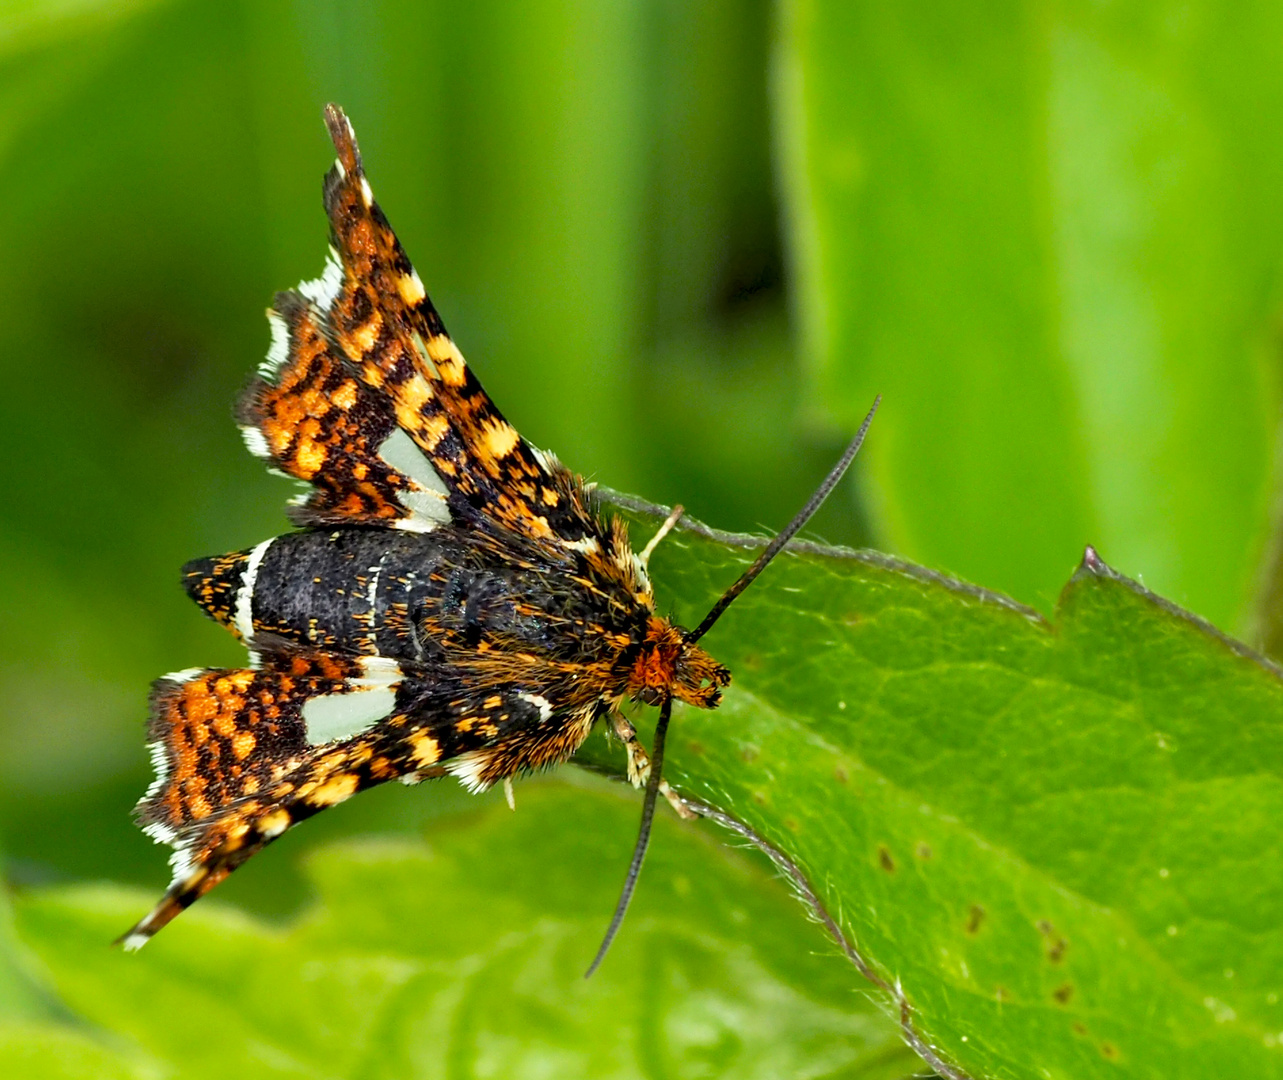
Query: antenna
x,y
666,709
790,530
643,836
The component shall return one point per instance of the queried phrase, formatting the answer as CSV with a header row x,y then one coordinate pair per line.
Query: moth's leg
x,y
664,530
638,762
639,765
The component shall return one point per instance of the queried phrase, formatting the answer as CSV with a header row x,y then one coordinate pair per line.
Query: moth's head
x,y
670,666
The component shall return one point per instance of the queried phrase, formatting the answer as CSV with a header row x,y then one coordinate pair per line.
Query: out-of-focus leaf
x,y
51,1052
1061,841
18,997
29,25
1051,238
465,959
714,237
724,442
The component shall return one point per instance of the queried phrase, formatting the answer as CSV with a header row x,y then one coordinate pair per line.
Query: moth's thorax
x,y
668,665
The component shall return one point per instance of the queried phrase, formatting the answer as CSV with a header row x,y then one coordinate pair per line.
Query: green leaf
x,y
50,1052
1050,236
1061,840
465,958
18,998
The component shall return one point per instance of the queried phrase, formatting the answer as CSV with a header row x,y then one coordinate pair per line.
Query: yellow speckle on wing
x,y
365,336
413,395
426,749
345,396
411,288
449,361
433,429
308,458
334,790
499,438
242,743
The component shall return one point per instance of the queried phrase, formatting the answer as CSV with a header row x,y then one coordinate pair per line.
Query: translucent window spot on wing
x,y
428,502
331,717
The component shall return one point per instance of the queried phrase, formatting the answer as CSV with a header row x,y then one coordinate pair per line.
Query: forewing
x,y
310,415
379,316
242,755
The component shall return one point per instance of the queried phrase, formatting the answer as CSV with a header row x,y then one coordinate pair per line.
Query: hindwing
x,y
241,755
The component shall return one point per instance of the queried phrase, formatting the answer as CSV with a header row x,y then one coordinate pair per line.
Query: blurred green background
x,y
683,245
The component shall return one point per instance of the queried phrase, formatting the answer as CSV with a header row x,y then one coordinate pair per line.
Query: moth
x,y
454,603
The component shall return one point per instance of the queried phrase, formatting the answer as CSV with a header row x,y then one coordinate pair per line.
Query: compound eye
x,y
650,695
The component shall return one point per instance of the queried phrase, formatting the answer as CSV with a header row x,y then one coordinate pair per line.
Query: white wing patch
x,y
426,500
244,617
279,351
467,768
256,442
366,701
324,290
541,703
158,830
332,717
586,545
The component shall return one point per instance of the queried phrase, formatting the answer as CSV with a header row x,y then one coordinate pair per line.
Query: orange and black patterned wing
x,y
376,312
242,755
308,413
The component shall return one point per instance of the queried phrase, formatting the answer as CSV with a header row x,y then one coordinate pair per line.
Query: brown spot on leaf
x,y
884,859
696,748
759,797
1109,1050
1079,1028
791,823
748,753
1063,993
1055,944
923,851
840,774
975,917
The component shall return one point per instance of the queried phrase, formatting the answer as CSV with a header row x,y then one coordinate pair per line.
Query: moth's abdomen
x,y
349,590
407,596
